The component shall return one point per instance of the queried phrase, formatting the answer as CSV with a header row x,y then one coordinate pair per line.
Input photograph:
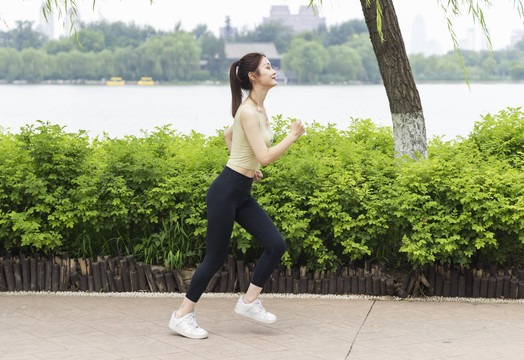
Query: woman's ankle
x,y
252,294
187,307
249,299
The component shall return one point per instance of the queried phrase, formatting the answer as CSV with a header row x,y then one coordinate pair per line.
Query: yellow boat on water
x,y
146,80
115,81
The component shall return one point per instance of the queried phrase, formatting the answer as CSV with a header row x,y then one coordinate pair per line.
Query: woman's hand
x,y
297,129
258,176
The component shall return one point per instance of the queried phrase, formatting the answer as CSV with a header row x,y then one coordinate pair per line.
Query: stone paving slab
x,y
36,326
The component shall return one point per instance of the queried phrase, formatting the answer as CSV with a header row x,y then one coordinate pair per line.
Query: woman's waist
x,y
249,173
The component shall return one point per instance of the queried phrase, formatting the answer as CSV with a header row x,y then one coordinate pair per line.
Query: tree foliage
x,y
22,37
213,52
482,66
173,57
117,49
117,34
340,34
274,32
307,59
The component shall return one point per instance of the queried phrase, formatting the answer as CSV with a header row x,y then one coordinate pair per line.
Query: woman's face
x,y
266,74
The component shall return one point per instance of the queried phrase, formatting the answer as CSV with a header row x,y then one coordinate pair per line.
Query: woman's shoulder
x,y
246,111
246,107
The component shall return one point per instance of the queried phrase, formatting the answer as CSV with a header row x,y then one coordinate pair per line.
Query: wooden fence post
x,y
26,274
55,277
9,276
151,279
213,282
124,273
142,281
514,288
241,276
223,281
97,282
111,281
179,281
41,269
170,282
231,273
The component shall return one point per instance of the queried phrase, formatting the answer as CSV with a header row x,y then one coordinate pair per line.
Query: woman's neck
x,y
258,96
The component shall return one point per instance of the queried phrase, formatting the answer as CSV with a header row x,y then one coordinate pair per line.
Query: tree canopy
x,y
344,54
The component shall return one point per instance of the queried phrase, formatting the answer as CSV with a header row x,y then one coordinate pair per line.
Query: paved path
x,y
39,326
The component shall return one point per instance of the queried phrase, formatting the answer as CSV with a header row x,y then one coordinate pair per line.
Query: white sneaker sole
x,y
249,316
188,335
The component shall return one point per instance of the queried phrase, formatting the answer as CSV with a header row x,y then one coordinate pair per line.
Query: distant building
x,y
228,31
419,42
470,41
235,51
305,20
418,37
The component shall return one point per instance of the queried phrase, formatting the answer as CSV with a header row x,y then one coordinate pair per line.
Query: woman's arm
x,y
265,156
228,137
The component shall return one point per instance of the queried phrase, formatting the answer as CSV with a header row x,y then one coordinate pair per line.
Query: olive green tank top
x,y
241,152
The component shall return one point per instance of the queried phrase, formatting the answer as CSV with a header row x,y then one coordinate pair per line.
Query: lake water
x,y
449,109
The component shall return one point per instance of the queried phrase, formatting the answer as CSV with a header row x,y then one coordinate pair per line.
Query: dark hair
x,y
239,77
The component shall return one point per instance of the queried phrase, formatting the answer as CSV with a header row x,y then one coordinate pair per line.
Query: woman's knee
x,y
213,263
278,246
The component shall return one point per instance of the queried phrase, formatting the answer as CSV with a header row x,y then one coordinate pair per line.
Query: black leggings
x,y
228,200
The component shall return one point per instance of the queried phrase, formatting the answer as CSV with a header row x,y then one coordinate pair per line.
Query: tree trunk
x,y
409,128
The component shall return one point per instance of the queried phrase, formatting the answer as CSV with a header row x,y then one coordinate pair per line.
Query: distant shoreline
x,y
218,83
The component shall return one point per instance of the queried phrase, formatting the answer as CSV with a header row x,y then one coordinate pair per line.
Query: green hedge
x,y
337,196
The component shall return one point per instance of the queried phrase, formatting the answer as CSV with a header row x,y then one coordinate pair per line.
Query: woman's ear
x,y
252,76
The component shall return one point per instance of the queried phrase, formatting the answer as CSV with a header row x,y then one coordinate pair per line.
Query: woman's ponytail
x,y
239,77
236,90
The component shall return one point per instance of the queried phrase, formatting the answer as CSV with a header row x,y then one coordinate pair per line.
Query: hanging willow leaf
x,y
314,6
379,21
379,18
64,8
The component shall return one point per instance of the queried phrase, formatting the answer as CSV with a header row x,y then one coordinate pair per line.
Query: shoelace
x,y
258,305
192,321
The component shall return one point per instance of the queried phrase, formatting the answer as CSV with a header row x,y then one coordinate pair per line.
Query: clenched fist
x,y
297,129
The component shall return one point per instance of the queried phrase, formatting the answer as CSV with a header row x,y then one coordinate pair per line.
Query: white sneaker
x,y
254,311
187,326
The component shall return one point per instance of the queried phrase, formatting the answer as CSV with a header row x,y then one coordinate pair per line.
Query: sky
x,y
502,18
